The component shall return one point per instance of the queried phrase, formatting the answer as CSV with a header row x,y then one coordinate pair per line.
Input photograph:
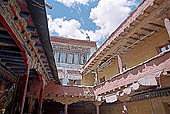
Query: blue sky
x,y
97,18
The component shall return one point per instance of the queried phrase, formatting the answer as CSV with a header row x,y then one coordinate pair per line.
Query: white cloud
x,y
66,28
70,3
107,15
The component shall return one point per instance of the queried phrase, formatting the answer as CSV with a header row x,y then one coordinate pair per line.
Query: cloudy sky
x,y
97,18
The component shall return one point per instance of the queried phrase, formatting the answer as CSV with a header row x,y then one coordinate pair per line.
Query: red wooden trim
x,y
24,91
6,78
14,38
13,11
40,78
40,100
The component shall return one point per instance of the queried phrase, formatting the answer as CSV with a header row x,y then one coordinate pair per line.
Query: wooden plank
x,y
12,61
11,57
8,48
157,25
7,41
148,30
9,51
14,64
4,34
6,44
5,72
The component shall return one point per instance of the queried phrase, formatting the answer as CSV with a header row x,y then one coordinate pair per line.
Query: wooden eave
x,y
62,93
35,42
159,63
139,24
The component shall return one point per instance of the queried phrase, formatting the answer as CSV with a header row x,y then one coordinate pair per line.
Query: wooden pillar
x,y
120,63
125,111
24,89
30,99
66,109
97,109
167,25
40,100
96,77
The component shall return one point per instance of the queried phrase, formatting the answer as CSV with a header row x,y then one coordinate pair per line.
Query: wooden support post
x,y
24,89
96,77
120,63
167,25
30,99
125,111
41,99
66,109
97,109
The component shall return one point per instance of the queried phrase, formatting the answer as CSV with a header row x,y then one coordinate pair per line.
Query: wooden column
x,y
120,63
30,105
66,109
96,77
125,111
167,25
97,109
40,100
24,89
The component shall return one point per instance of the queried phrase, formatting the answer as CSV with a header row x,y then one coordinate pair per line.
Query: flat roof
x,y
73,41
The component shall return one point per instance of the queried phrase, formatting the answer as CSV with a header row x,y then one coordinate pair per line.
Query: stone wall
x,y
142,52
149,106
146,50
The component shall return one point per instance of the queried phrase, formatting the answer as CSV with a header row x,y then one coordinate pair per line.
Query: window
x,y
83,59
78,82
70,58
76,58
164,48
63,57
56,56
102,79
168,46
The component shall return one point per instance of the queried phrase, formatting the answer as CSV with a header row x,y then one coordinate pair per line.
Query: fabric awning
x,y
60,74
74,75
111,98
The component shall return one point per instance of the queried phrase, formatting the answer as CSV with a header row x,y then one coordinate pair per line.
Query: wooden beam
x,y
6,44
129,43
7,41
10,57
148,30
12,60
2,29
155,5
5,72
157,25
4,34
9,53
138,34
134,38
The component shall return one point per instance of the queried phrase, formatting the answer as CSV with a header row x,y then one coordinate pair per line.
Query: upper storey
x,y
25,22
71,51
142,36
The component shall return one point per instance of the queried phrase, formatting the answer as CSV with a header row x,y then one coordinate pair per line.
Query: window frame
x,y
72,58
78,59
81,59
166,46
65,57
